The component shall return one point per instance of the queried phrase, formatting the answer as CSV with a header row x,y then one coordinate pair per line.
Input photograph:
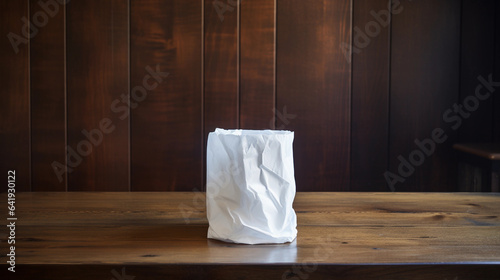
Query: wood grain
x,y
313,87
166,127
258,272
496,97
257,64
15,105
351,234
97,75
477,59
424,85
221,100
48,101
370,95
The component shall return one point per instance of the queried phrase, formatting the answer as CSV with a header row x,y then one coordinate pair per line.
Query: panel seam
x,y
238,64
389,94
275,69
30,157
202,93
66,184
351,64
129,84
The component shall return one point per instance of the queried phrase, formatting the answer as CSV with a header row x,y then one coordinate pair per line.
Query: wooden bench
x,y
486,157
340,236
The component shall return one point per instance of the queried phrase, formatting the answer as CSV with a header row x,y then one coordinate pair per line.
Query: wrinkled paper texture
x,y
251,186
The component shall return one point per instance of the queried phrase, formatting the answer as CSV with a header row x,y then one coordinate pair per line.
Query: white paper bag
x,y
251,186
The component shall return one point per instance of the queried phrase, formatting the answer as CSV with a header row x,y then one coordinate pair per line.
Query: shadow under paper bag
x,y
251,186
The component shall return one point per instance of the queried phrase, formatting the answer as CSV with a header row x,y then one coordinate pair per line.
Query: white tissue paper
x,y
251,186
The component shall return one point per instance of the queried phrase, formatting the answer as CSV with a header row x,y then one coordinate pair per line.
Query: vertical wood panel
x,y
496,97
167,126
221,65
257,63
429,64
48,100
477,59
313,82
370,95
14,107
97,75
424,84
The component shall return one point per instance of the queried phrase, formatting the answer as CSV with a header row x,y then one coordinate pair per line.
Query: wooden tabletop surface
x,y
336,229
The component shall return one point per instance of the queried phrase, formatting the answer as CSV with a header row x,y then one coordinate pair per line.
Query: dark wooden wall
x,y
120,95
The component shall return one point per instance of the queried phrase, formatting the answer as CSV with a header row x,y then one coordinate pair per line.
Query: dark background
x,y
267,64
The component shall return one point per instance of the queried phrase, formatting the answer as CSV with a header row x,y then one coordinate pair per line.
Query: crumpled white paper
x,y
251,186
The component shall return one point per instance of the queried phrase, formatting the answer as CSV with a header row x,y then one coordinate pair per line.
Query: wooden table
x,y
340,236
